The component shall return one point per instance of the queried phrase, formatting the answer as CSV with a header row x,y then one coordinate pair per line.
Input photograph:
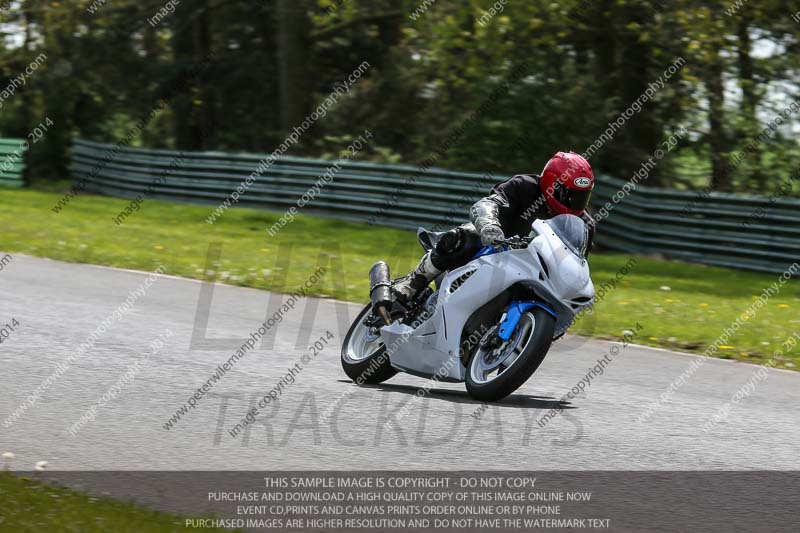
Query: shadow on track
x,y
518,401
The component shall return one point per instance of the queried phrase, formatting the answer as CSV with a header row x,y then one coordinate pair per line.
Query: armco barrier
x,y
740,231
12,162
358,192
720,229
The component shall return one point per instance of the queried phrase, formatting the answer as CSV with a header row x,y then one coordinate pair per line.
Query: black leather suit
x,y
513,205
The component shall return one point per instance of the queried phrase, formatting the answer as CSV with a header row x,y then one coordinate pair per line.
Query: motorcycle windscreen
x,y
572,231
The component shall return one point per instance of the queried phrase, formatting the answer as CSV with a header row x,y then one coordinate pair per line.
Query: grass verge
x,y
680,306
30,506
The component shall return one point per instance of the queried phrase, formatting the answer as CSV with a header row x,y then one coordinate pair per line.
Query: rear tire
x,y
364,357
531,338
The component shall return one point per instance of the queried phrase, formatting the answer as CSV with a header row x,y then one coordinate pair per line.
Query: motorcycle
x,y
488,324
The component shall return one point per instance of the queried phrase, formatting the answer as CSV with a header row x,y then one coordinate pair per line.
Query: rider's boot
x,y
407,287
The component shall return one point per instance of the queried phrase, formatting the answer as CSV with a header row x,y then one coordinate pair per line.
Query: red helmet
x,y
567,183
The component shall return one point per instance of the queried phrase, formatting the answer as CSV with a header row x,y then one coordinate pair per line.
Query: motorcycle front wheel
x,y
364,357
494,371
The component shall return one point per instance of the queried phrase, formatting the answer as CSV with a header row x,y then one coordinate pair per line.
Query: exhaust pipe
x,y
380,290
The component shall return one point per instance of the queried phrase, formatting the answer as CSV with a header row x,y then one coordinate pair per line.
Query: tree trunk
x,y
194,103
183,46
746,71
152,50
205,124
26,96
720,170
604,46
639,137
293,60
747,82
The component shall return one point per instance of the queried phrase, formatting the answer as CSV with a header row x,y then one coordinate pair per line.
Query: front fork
x,y
510,319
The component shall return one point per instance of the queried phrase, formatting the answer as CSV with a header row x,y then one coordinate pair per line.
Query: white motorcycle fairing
x,y
558,275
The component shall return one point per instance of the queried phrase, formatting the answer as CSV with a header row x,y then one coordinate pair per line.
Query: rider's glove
x,y
490,234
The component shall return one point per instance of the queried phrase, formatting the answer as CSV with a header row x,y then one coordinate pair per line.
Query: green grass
x,y
31,506
701,303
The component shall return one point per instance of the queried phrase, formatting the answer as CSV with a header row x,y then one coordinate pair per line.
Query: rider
x,y
564,187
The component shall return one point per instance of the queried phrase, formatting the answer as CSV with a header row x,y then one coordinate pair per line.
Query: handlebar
x,y
515,242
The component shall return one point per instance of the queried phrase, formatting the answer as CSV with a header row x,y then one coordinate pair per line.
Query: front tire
x,y
364,357
494,374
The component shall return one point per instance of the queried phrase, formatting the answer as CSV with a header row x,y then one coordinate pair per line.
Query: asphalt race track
x,y
58,305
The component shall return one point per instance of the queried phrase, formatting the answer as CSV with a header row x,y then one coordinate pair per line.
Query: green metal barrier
x,y
12,162
719,229
739,231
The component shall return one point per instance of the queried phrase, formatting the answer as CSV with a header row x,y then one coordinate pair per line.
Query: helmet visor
x,y
575,199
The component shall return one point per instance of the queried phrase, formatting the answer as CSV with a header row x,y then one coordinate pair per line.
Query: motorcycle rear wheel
x,y
494,374
364,357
